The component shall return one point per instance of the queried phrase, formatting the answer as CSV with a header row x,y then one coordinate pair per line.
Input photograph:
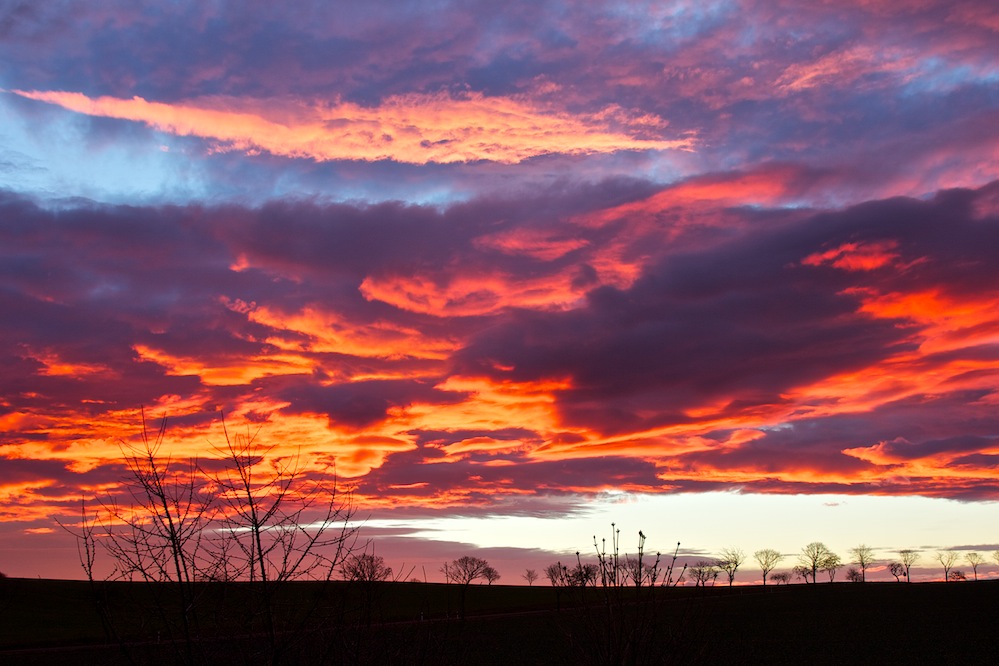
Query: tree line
x,y
815,560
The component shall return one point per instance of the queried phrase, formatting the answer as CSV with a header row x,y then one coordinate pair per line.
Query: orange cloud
x,y
948,322
236,371
416,129
329,332
471,295
492,406
856,256
53,366
537,244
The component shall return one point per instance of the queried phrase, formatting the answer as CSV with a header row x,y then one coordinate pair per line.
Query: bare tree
x,y
854,575
957,575
155,531
995,556
863,556
897,570
803,572
278,523
815,556
975,560
632,570
908,558
781,577
583,574
557,574
465,569
767,559
831,564
365,567
730,561
947,559
702,572
285,524
491,575
530,575
641,573
257,517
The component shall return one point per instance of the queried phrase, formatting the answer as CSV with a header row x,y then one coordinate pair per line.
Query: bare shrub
x,y
247,515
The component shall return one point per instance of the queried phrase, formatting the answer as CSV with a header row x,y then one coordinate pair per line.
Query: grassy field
x,y
51,622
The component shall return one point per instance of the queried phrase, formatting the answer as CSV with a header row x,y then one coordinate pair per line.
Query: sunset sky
x,y
723,271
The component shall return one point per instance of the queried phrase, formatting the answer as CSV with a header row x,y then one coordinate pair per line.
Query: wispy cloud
x,y
415,129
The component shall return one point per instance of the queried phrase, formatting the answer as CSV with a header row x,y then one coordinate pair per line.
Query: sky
x,y
722,271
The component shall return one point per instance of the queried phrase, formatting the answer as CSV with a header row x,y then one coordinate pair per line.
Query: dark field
x,y
56,622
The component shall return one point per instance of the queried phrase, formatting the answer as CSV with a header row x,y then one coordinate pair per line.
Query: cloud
x,y
359,404
650,339
415,128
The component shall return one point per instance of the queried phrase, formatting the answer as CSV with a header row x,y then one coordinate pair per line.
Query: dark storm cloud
x,y
362,240
408,475
742,321
362,403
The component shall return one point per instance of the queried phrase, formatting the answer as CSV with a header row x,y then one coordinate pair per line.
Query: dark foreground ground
x,y
56,622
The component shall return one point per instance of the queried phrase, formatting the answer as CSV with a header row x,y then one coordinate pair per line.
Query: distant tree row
x,y
614,569
814,559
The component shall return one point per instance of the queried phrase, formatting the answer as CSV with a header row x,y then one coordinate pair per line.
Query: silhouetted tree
x,y
530,575
767,558
491,575
702,572
781,577
465,569
897,570
816,556
803,572
634,571
830,565
975,560
947,559
557,574
854,575
730,561
583,574
957,575
863,556
641,573
908,558
365,567
255,516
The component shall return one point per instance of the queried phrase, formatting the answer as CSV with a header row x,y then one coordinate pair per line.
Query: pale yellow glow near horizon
x,y
704,523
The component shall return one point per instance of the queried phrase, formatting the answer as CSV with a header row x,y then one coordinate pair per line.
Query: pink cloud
x,y
414,128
